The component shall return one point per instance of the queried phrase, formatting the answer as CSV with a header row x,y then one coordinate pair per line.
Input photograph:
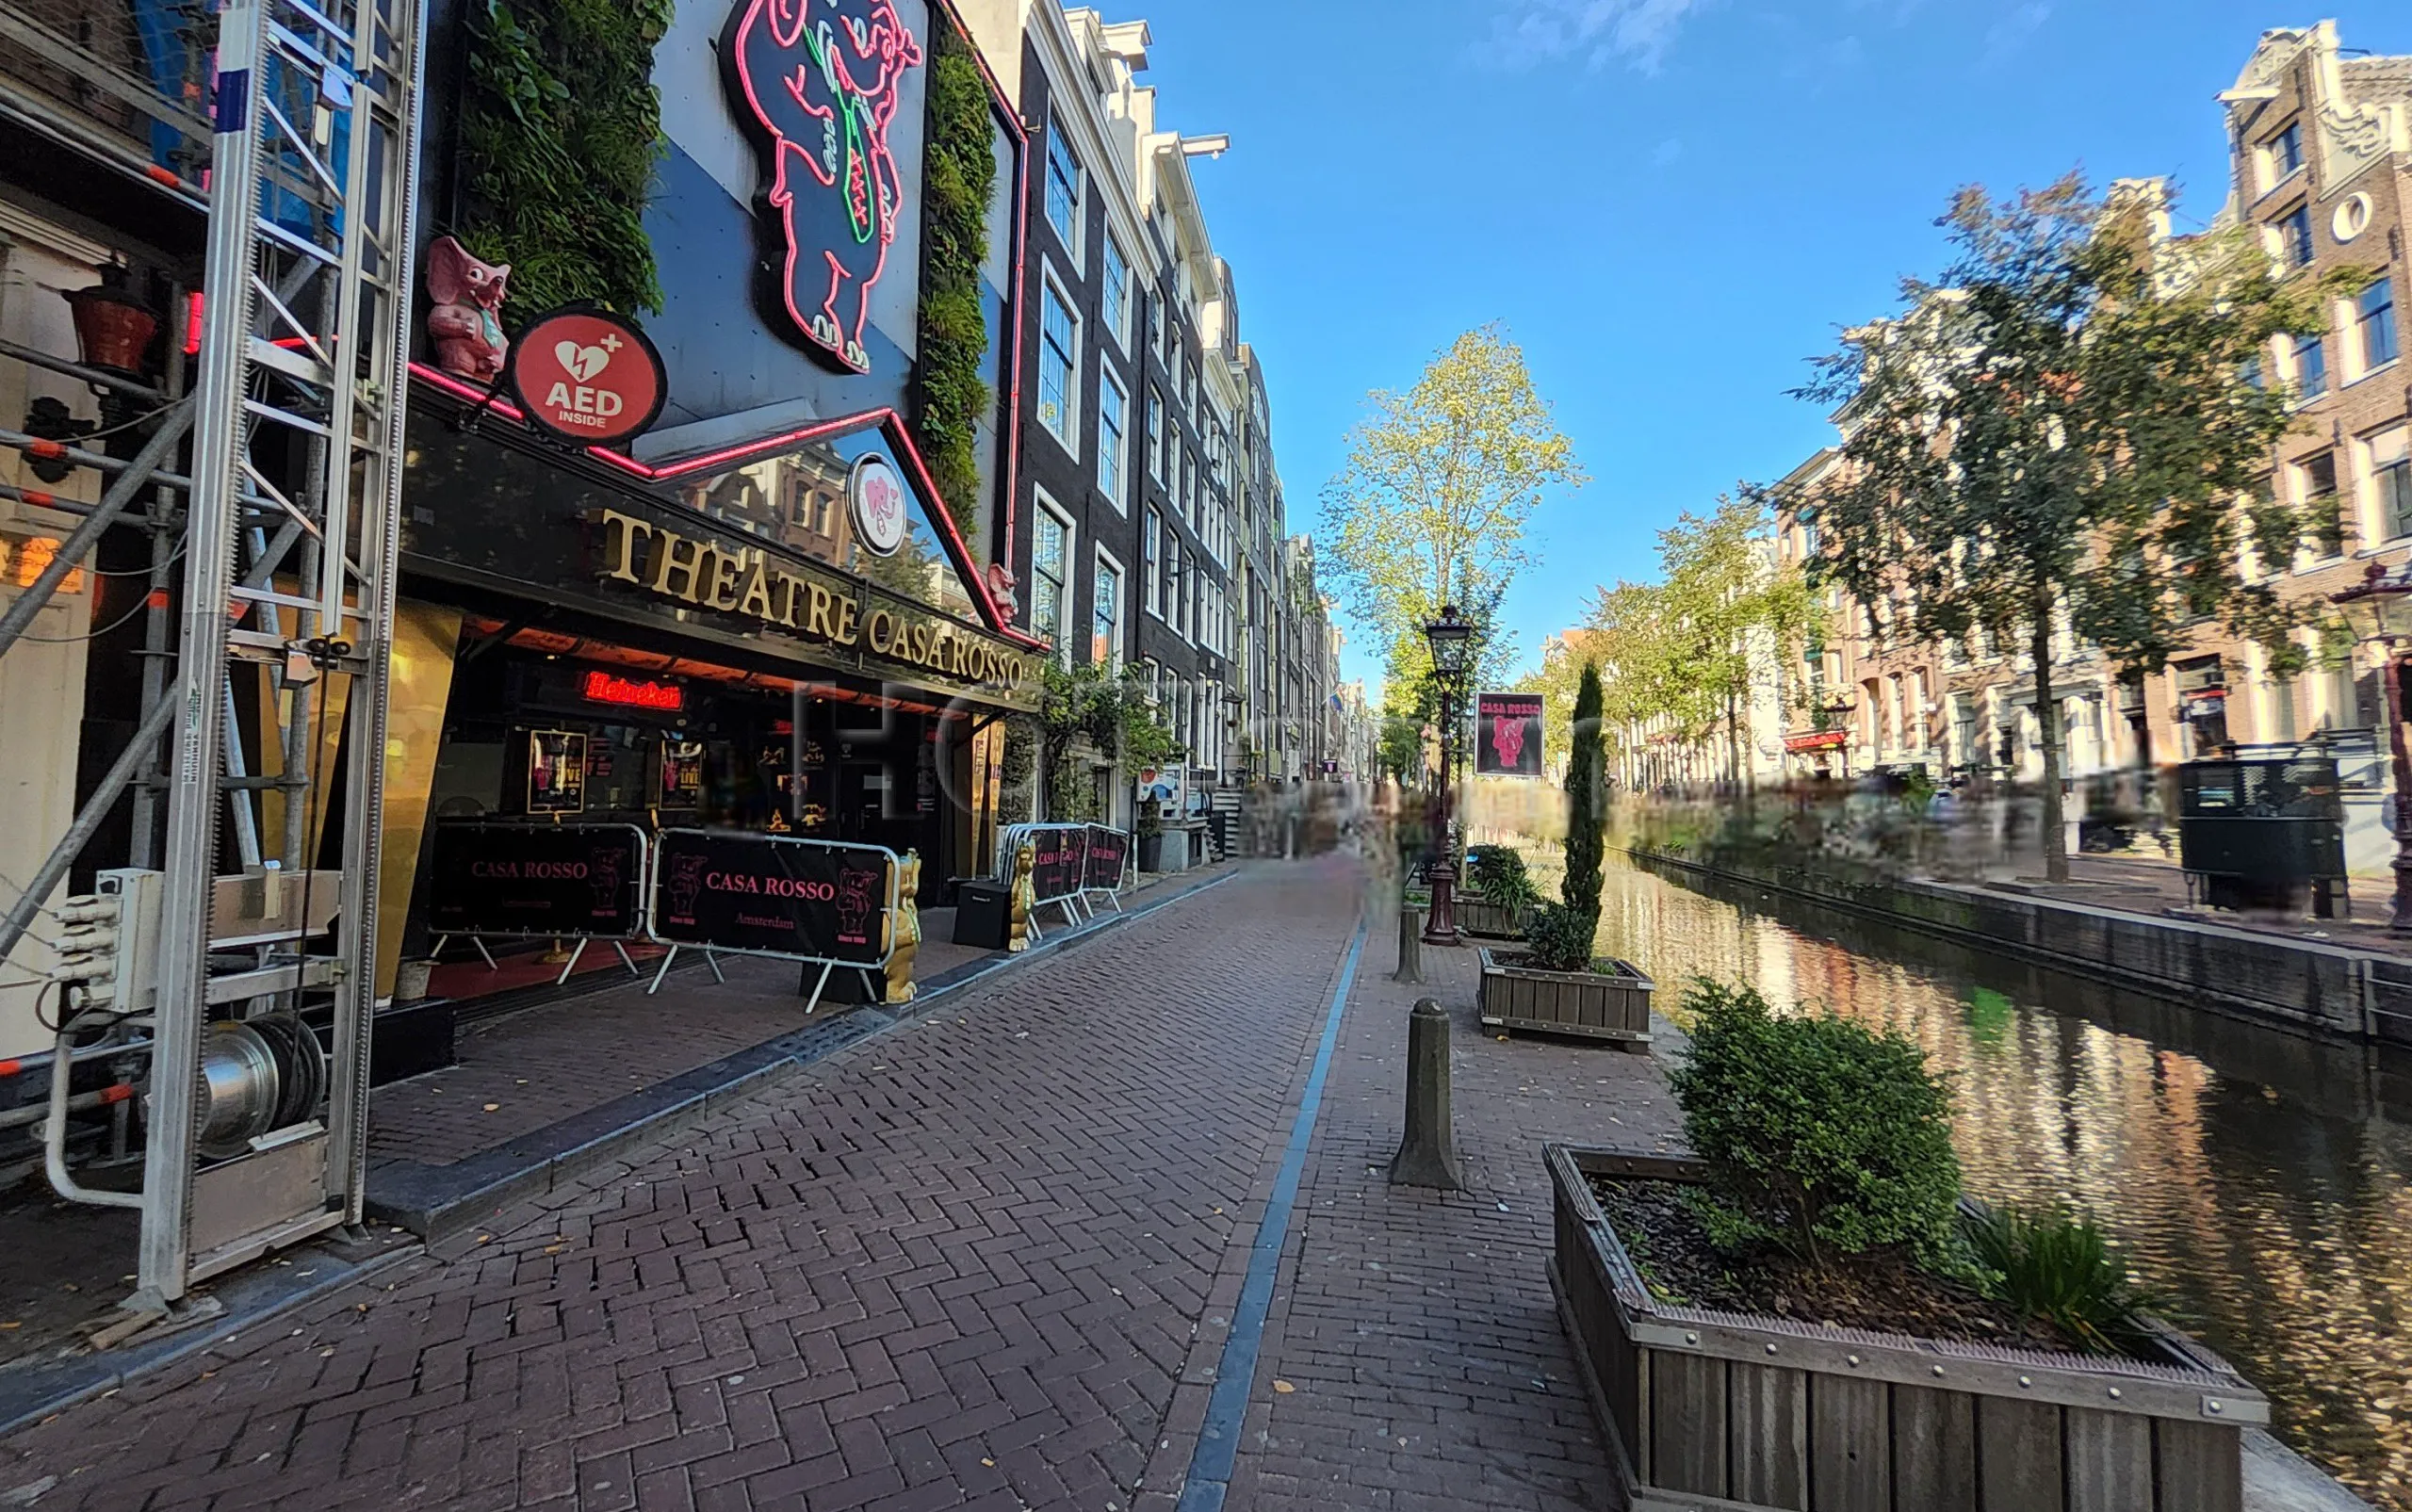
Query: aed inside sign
x,y
587,375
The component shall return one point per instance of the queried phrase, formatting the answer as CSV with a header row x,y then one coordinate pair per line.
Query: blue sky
x,y
1670,203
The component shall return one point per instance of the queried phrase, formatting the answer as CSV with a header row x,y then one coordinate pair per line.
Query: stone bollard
x,y
1410,945
1427,1155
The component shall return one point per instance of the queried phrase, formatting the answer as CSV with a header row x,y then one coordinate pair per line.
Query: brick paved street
x,y
989,1260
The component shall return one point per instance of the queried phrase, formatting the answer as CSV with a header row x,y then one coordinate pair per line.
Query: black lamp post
x,y
2379,611
1452,642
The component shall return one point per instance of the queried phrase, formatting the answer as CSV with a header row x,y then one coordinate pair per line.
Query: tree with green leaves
x,y
1431,506
2067,430
1563,933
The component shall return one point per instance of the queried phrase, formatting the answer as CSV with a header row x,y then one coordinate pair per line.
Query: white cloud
x,y
1599,31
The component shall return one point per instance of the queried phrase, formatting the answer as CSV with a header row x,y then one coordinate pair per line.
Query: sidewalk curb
x,y
440,1202
31,1392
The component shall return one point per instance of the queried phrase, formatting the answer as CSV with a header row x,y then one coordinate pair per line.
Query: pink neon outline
x,y
907,55
885,419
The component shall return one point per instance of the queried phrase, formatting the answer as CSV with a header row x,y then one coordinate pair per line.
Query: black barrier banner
x,y
737,891
1063,855
527,879
1109,851
1508,735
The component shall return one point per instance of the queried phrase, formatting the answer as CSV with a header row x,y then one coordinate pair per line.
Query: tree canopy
x,y
2072,421
1440,482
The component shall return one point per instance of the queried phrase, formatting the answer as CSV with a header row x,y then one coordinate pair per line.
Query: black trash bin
x,y
983,913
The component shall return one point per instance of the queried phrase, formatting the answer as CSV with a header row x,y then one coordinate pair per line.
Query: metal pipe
x,y
101,376
53,1133
143,849
40,1060
79,457
87,823
80,1102
71,552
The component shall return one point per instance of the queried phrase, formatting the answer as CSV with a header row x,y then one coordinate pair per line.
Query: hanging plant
x,y
561,127
959,171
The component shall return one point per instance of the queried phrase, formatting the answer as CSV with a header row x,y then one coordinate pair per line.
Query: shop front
x,y
785,641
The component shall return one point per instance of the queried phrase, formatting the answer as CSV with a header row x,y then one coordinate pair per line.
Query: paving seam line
x,y
114,1375
445,1217
1218,1441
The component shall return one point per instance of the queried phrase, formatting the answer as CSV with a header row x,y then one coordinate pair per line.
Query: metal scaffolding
x,y
283,550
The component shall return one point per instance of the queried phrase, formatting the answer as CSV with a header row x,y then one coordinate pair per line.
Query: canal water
x,y
2261,1182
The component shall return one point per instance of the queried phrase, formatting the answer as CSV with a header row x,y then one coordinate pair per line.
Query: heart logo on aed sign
x,y
581,363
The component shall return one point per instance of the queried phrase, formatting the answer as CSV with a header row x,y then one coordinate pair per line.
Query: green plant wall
x,y
959,173
561,128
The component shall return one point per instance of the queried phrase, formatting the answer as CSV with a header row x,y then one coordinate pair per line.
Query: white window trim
x,y
1118,324
1151,572
1065,605
1154,423
1076,240
1103,559
1068,435
1116,493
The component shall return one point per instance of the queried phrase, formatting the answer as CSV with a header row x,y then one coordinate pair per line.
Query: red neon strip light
x,y
603,688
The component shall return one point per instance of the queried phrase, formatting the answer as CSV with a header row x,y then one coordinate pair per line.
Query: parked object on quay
x,y
1427,1150
1609,999
1501,903
1756,1410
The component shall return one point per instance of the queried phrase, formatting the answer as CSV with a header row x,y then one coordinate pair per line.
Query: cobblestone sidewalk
x,y
988,1260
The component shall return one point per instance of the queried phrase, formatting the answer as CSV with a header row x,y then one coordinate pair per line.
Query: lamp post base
x,y
1440,925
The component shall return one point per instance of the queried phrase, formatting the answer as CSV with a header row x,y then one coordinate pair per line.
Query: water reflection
x,y
2262,1181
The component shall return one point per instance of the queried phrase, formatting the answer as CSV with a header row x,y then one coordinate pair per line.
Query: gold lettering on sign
x,y
620,537
757,598
690,569
742,580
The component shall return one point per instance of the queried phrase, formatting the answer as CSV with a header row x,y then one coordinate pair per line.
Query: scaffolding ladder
x,y
289,539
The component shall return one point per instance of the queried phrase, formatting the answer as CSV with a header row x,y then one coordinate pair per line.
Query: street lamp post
x,y
1452,642
2379,611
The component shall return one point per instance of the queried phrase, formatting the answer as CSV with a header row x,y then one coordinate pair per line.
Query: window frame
x,y
1067,432
1155,431
1059,140
1116,316
2317,346
2296,240
2382,319
1151,563
1101,563
2392,477
1112,463
1048,509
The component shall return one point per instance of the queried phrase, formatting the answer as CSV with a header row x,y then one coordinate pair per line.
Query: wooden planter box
x,y
1709,1411
1598,1004
1478,916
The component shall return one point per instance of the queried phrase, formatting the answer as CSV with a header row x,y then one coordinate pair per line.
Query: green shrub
x,y
2057,1265
1821,1135
1559,938
1498,876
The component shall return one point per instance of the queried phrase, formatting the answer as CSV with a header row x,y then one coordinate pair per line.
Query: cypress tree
x,y
1580,889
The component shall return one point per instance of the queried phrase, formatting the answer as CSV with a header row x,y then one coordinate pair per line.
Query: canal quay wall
x,y
2307,985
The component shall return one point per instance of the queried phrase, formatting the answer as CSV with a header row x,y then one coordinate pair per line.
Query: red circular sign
x,y
588,376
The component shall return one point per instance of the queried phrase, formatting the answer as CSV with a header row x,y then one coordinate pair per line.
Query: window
x,y
2311,367
1050,546
2255,372
1058,365
2391,479
2374,316
1155,432
1113,417
1063,190
2321,503
1105,631
2286,150
1118,293
2294,236
1151,582
1178,589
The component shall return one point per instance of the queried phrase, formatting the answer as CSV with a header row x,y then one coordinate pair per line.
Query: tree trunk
x,y
2047,727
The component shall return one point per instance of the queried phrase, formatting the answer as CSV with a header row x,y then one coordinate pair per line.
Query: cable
x,y
120,622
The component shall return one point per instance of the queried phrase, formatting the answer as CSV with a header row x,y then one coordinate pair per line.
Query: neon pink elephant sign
x,y
824,79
